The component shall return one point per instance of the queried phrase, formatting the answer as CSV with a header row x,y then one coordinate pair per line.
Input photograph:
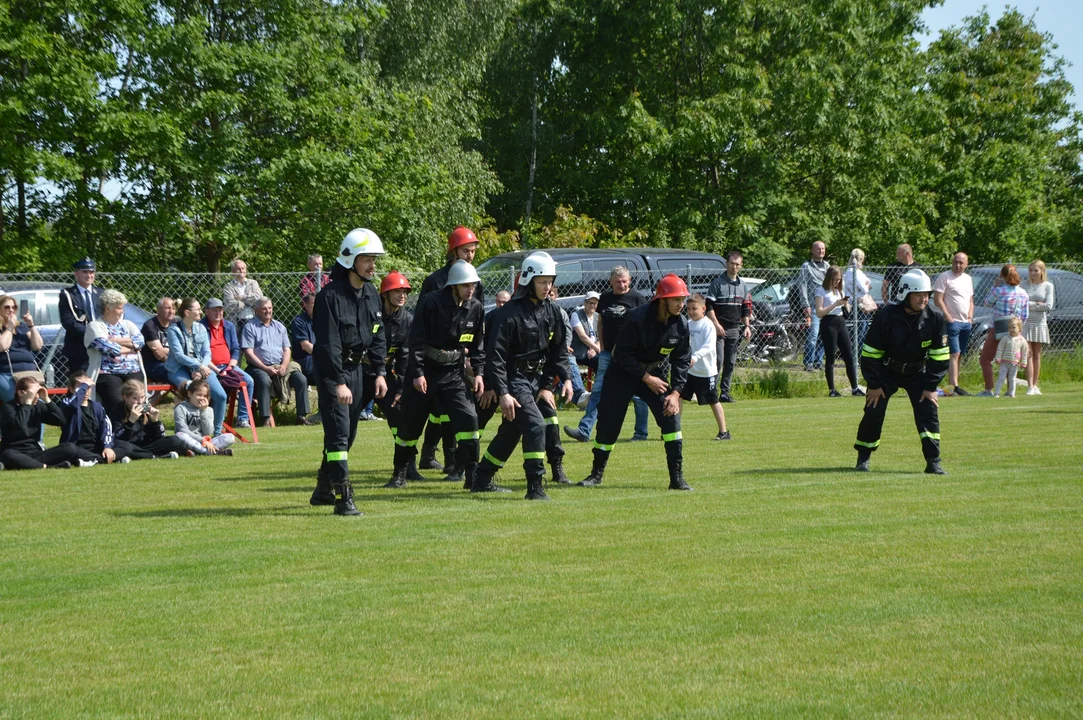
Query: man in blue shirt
x,y
266,345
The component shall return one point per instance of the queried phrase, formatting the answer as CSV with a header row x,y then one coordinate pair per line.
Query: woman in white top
x,y
830,302
856,286
1036,330
113,344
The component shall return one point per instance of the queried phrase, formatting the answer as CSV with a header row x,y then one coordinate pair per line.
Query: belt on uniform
x,y
530,367
355,357
442,357
904,368
651,367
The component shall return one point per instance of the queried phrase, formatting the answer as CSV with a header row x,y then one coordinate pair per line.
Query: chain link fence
x,y
778,328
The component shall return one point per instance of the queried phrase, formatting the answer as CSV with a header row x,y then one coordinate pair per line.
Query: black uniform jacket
x,y
20,425
525,330
397,332
645,344
441,323
140,433
896,336
74,318
348,320
438,280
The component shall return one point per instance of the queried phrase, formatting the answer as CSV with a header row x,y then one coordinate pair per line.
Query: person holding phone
x,y
18,343
142,425
20,428
830,305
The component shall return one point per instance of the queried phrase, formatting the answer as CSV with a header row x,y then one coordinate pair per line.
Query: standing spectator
x,y
613,306
18,343
580,396
266,345
810,277
155,342
703,372
241,295
1008,300
79,304
1036,330
190,358
303,336
904,263
113,344
316,279
856,286
226,353
20,428
729,309
585,343
1011,355
830,304
953,293
142,425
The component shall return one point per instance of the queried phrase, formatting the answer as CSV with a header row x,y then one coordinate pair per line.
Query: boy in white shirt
x,y
703,375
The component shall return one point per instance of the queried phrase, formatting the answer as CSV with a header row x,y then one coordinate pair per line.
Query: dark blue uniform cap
x,y
85,264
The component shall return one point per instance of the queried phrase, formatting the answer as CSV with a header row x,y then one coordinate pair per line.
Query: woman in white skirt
x,y
1036,331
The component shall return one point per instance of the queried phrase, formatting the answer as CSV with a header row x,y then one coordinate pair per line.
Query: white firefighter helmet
x,y
358,242
461,273
535,264
913,281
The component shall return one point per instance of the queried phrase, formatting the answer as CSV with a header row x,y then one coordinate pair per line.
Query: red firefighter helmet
x,y
460,236
394,281
670,286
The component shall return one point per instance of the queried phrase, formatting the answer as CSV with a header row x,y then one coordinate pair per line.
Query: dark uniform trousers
x,y
536,424
447,386
925,414
392,413
617,392
339,426
439,428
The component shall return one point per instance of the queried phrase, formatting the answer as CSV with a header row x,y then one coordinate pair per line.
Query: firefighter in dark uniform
x,y
397,320
906,348
653,343
524,355
462,244
349,336
447,328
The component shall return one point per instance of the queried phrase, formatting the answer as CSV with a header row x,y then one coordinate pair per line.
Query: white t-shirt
x,y
958,291
830,298
701,340
590,327
855,291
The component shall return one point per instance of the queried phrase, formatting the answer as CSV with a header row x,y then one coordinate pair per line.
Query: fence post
x,y
688,276
854,322
511,280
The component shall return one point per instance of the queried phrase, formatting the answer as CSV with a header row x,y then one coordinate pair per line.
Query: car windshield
x,y
770,292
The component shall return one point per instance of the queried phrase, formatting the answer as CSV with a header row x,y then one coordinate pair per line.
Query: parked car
x,y
42,300
1065,321
583,269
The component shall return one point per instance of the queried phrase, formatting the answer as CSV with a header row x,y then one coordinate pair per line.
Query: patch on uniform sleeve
x,y
926,343
665,350
551,336
466,337
376,328
944,340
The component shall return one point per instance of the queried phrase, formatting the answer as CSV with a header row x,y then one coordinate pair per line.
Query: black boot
x,y
862,461
344,504
428,459
557,467
412,473
455,473
483,482
323,494
676,477
535,490
932,467
597,471
398,479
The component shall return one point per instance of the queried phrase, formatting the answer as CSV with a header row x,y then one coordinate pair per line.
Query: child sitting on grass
x,y
142,425
1012,354
193,422
703,375
87,425
20,428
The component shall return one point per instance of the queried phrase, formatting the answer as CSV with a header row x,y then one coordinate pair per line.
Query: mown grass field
x,y
785,585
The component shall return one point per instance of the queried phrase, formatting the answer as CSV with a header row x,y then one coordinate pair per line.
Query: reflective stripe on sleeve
x,y
870,352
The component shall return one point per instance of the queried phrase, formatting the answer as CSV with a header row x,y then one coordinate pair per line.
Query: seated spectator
x,y
18,343
190,358
193,422
142,425
155,343
240,294
316,279
20,428
303,336
584,322
266,345
87,426
226,352
113,345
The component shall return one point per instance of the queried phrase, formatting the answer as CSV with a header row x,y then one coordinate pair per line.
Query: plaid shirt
x,y
1008,301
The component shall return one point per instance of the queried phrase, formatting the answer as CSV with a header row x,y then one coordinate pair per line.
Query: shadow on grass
x,y
847,469
1054,412
215,512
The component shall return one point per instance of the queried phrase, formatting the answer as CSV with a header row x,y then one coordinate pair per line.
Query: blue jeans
x,y
577,380
7,388
242,411
814,346
590,417
218,395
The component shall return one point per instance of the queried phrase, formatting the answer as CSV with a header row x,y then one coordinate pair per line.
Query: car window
x,y
47,311
770,292
678,266
877,284
570,278
1068,292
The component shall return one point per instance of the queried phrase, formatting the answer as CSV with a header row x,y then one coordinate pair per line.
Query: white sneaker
x,y
125,460
1037,390
87,463
1032,390
173,456
996,395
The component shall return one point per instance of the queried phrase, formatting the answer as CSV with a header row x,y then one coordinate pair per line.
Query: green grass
x,y
785,585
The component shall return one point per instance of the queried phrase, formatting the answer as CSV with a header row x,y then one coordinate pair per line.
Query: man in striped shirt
x,y
729,308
